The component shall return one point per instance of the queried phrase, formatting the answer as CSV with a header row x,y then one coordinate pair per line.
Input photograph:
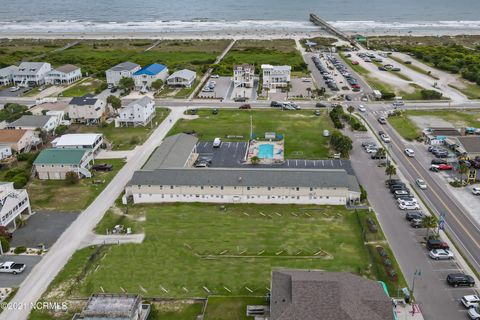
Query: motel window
x,y
171,187
221,188
269,188
311,189
248,188
297,188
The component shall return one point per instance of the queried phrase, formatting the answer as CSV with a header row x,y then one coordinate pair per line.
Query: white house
x,y
243,185
6,75
275,76
65,74
18,140
86,109
31,73
137,113
34,122
90,141
243,75
121,70
5,151
147,75
13,202
183,78
54,163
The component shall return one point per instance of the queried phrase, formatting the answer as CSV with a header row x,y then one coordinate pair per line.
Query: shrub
x,y
431,94
61,129
387,95
71,178
30,157
5,244
19,181
20,249
134,140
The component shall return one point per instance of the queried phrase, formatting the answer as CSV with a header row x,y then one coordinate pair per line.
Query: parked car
x,y
217,142
382,120
14,89
361,108
12,267
326,133
438,161
320,105
407,198
445,167
476,191
409,152
401,193
421,184
396,187
102,167
436,244
215,111
471,301
245,106
441,254
410,215
202,164
416,223
408,206
317,113
276,104
474,313
460,279
214,76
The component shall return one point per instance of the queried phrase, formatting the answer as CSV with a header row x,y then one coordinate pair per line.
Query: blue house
x,y
147,75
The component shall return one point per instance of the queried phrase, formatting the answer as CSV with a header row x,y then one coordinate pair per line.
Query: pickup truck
x,y
12,267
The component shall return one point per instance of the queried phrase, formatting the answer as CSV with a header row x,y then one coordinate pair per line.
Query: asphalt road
x,y
46,270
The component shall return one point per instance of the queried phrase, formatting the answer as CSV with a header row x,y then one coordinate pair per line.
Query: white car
x,y
371,150
471,301
407,199
421,184
476,191
409,152
362,108
14,89
474,313
441,254
385,138
214,76
408,205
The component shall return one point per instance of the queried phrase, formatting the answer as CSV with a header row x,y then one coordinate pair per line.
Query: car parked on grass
x,y
471,301
421,184
441,254
245,106
460,279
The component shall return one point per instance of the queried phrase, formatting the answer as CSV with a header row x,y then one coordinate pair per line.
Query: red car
x,y
355,62
356,86
445,167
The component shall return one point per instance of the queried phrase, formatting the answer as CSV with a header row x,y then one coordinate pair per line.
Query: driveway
x,y
13,281
8,93
222,87
42,227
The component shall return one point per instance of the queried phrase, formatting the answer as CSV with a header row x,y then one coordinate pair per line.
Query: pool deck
x,y
278,151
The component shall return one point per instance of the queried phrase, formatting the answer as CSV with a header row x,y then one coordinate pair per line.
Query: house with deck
x,y
31,74
66,74
137,113
243,75
6,75
13,203
275,76
19,140
183,78
85,141
54,163
147,75
121,70
86,109
35,122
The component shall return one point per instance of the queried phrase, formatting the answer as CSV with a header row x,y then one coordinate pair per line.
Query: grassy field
x,y
301,129
382,42
234,307
83,87
471,90
124,138
18,50
115,217
405,127
257,52
57,195
194,246
413,67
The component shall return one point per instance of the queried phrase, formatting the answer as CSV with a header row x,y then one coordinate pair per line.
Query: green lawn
x,y
405,127
115,217
18,50
231,308
179,311
57,195
83,87
124,138
257,52
197,245
301,129
471,90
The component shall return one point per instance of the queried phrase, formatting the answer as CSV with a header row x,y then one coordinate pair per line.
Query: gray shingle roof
x,y
87,100
144,101
243,177
36,121
29,68
471,144
184,74
125,66
172,153
8,70
306,294
67,68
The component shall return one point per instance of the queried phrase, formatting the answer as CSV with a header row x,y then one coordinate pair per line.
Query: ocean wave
x,y
413,25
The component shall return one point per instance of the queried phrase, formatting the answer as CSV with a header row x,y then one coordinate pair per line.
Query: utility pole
x,y
251,125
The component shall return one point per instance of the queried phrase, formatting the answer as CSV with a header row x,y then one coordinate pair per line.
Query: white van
x,y
326,133
217,142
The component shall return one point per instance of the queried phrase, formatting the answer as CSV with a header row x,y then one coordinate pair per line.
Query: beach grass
x,y
83,87
471,90
301,129
414,67
57,195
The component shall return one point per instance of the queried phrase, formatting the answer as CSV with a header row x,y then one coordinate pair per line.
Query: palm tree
x,y
390,171
255,160
381,153
462,170
429,222
288,88
309,91
350,109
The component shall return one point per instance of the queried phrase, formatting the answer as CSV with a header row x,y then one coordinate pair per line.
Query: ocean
x,y
30,16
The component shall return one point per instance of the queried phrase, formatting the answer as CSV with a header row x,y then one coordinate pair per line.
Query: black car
x,y
380,132
215,111
391,182
102,167
410,215
416,223
275,104
396,187
320,105
460,279
436,244
438,161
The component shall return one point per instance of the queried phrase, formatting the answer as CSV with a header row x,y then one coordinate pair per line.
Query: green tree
x,y
71,178
462,170
255,160
429,222
115,102
381,153
288,88
390,171
5,244
61,129
20,222
126,84
157,84
341,143
309,92
350,110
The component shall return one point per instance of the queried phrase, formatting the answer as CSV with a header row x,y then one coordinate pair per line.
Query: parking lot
x,y
42,228
19,93
221,91
298,90
8,280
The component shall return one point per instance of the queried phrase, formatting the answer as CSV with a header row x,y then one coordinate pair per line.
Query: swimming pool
x,y
265,151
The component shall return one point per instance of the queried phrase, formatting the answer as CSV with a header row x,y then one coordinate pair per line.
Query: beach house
x,y
275,76
6,75
54,163
121,70
243,75
137,113
65,74
34,122
86,109
89,141
147,75
13,202
31,74
183,78
18,140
